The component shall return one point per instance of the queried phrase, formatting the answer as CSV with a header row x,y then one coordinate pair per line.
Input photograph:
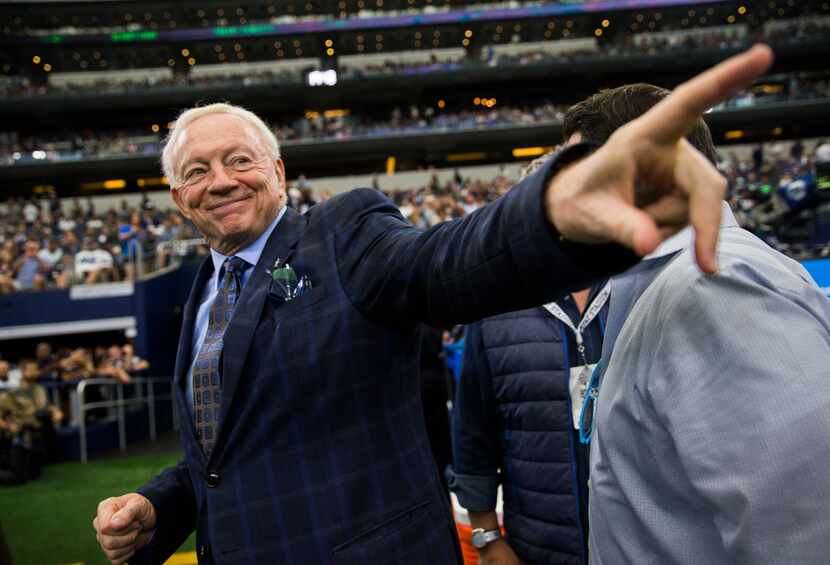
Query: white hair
x,y
178,135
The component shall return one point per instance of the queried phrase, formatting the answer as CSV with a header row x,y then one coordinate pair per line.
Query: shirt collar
x,y
683,239
253,251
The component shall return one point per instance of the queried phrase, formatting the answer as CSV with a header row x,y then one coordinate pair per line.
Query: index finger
x,y
676,115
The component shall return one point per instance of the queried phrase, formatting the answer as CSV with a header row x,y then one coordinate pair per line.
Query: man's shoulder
x,y
350,202
515,317
747,266
744,261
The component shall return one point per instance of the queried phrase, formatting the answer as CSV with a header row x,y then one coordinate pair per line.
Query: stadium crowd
x,y
30,414
43,247
322,126
313,126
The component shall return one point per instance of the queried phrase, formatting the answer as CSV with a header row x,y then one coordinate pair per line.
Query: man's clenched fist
x,y
124,525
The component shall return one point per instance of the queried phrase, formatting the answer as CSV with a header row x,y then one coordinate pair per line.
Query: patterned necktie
x,y
207,375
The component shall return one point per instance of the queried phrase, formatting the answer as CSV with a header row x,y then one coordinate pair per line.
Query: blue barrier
x,y
152,307
820,271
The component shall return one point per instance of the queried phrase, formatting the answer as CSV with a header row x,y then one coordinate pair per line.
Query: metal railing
x,y
145,264
144,389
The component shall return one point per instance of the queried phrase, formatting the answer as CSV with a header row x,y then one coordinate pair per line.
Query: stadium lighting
x,y
114,184
520,152
36,60
322,78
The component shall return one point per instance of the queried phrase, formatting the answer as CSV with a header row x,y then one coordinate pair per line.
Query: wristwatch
x,y
482,537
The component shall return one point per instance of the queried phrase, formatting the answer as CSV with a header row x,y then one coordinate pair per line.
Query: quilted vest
x,y
530,353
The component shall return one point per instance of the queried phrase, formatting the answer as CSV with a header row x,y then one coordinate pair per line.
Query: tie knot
x,y
235,266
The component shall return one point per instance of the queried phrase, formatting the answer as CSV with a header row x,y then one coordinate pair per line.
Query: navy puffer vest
x,y
530,353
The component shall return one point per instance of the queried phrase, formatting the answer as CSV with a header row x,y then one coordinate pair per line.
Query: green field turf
x,y
48,521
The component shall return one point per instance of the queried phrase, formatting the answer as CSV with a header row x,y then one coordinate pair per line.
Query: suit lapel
x,y
240,330
184,356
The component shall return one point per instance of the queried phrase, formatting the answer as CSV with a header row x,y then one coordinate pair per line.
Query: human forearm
x,y
488,520
503,257
497,552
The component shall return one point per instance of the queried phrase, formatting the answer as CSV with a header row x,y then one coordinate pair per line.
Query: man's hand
x,y
649,161
124,525
498,553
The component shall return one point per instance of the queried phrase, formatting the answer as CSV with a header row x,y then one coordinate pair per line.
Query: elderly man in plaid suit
x,y
297,364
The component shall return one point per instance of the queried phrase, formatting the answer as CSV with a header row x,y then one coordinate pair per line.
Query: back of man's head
x,y
599,115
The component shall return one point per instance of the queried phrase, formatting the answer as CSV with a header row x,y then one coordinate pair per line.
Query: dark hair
x,y
599,115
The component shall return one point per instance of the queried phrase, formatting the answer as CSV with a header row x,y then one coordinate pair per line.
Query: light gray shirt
x,y
711,436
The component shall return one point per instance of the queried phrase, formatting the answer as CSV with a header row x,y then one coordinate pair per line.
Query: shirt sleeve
x,y
476,439
742,386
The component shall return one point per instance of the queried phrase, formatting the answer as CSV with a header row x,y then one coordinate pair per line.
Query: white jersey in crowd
x,y
92,260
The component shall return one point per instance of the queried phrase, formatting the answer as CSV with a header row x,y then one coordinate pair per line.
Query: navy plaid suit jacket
x,y
322,454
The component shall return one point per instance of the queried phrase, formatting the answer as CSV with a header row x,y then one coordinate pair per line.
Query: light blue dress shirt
x,y
711,440
251,255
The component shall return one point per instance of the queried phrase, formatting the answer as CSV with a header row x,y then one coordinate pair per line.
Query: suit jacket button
x,y
213,479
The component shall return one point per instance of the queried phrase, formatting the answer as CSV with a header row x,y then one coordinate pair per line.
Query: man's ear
x,y
280,168
178,200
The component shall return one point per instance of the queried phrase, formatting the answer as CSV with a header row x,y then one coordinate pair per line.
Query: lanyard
x,y
591,313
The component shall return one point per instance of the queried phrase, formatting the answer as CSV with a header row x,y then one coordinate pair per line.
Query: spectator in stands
x,y
113,365
47,362
64,272
18,425
76,365
51,254
133,364
132,234
31,212
6,272
94,264
30,269
36,393
6,381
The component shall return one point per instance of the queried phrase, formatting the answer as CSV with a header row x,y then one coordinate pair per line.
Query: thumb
x,y
132,511
633,228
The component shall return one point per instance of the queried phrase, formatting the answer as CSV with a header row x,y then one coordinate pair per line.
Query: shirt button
x,y
213,479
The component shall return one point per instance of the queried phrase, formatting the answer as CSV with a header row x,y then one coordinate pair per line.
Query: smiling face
x,y
229,188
